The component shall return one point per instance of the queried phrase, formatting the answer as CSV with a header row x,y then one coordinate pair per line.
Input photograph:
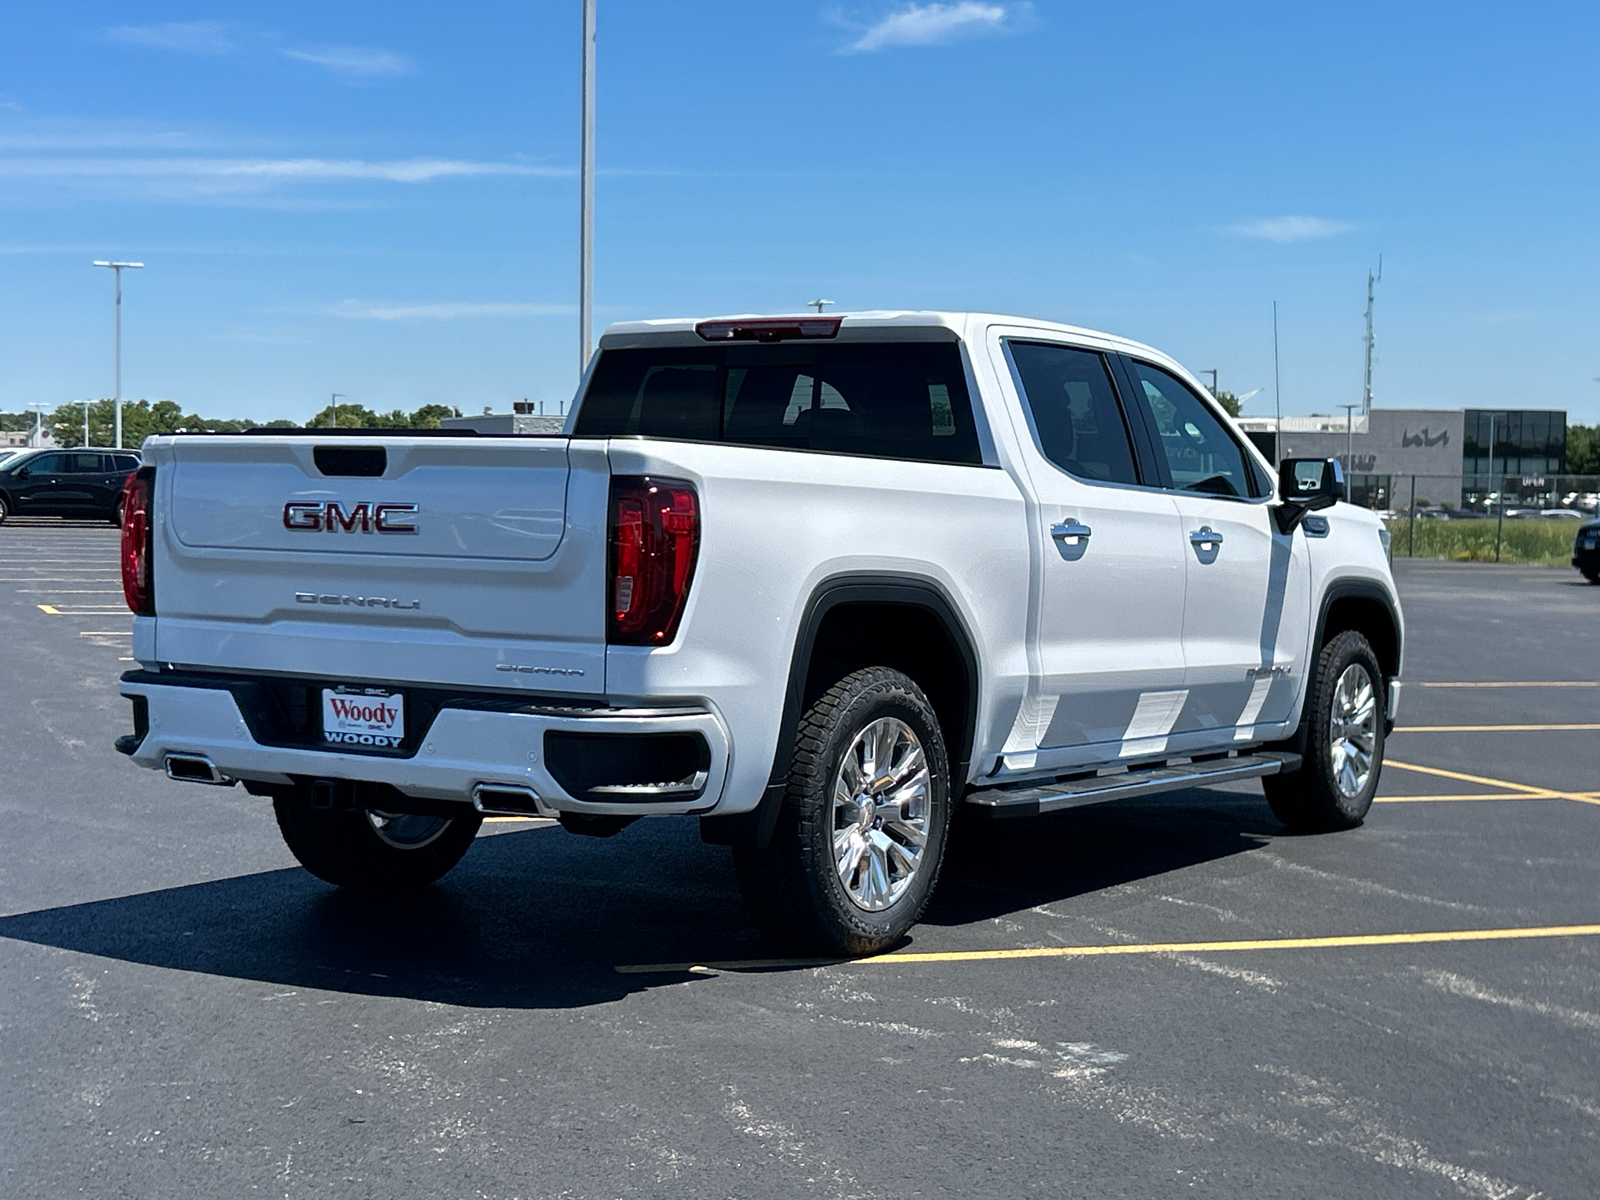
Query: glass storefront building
x,y
1526,442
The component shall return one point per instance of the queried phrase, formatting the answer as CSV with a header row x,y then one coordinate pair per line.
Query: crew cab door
x,y
1248,591
1109,585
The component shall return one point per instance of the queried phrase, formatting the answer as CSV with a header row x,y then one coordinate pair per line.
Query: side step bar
x,y
1031,799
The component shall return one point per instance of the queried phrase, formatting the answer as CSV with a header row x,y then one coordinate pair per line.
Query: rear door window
x,y
883,400
1201,455
84,464
1073,408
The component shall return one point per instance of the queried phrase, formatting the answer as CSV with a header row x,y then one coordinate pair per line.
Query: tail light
x,y
655,536
138,529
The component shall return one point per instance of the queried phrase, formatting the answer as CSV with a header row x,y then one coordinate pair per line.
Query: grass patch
x,y
1547,542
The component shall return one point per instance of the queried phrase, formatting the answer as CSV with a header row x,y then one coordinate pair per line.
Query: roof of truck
x,y
624,332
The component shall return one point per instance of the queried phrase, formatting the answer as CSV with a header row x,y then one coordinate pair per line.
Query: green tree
x,y
1583,449
1230,402
429,415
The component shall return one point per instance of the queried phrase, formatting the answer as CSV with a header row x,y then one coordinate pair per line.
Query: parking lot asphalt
x,y
1408,1009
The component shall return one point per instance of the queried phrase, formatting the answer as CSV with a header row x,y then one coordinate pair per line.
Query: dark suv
x,y
66,483
1586,550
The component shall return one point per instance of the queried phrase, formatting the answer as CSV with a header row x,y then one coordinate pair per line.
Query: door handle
x,y
1070,529
1205,536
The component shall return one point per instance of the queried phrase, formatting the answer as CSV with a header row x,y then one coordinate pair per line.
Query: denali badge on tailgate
x,y
329,516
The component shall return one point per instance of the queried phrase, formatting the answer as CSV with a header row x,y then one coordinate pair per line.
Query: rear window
x,y
883,400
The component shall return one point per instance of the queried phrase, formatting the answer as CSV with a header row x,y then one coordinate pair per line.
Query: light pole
x,y
333,404
117,268
1349,445
586,197
86,424
1212,371
818,304
38,423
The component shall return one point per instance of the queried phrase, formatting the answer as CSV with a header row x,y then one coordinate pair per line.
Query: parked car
x,y
86,484
814,581
1586,550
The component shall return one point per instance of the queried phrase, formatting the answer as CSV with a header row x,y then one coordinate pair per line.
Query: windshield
x,y
885,400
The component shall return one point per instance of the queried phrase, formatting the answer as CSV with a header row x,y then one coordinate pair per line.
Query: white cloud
x,y
936,24
355,64
10,106
1290,229
359,310
186,37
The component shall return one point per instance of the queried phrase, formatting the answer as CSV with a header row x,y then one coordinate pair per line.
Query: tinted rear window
x,y
885,400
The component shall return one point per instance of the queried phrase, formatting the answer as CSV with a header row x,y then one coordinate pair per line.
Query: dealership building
x,y
1432,455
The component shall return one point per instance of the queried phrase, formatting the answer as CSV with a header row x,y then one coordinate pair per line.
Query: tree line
x,y
141,419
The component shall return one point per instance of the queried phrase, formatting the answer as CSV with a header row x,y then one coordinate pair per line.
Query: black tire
x,y
116,513
5,509
1592,574
794,888
368,852
1320,796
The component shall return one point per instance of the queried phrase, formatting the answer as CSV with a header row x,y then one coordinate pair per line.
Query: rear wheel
x,y
1592,574
862,831
371,851
1343,728
116,513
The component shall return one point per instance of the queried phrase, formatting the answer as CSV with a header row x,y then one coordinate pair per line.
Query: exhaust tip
x,y
498,799
195,768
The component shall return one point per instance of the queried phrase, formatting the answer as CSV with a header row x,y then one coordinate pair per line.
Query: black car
x,y
66,483
1586,550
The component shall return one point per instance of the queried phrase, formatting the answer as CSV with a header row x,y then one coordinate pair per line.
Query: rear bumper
x,y
463,749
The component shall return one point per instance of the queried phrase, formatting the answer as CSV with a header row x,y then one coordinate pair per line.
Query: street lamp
x,y
1349,445
1212,371
117,268
586,196
38,423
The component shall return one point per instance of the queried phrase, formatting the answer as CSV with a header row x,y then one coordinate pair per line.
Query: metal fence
x,y
1510,518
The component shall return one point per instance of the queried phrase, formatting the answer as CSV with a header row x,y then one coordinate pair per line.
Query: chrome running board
x,y
1031,798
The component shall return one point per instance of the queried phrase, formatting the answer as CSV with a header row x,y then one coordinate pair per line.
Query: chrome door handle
x,y
1070,529
1205,536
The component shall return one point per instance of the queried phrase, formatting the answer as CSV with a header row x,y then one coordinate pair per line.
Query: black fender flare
x,y
754,828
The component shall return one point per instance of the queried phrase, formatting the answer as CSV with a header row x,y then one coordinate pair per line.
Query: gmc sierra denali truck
x,y
816,581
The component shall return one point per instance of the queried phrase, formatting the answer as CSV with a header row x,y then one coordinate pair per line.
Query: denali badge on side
x,y
329,516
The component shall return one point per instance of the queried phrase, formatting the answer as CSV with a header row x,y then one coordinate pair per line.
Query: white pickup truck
x,y
816,581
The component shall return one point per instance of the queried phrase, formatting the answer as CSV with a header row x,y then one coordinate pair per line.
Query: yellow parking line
x,y
1528,792
50,610
1219,947
1474,796
1504,784
1559,683
1496,728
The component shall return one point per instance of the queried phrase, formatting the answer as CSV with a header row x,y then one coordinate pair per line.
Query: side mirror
x,y
24,473
1305,485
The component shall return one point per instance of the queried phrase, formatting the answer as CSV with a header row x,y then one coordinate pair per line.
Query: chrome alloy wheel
x,y
1353,729
881,801
406,831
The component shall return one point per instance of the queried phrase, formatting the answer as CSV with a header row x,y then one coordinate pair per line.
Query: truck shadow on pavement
x,y
540,919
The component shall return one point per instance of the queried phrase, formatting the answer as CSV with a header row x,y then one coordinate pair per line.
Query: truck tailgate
x,y
471,561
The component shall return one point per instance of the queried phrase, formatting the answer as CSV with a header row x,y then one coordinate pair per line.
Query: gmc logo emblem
x,y
368,518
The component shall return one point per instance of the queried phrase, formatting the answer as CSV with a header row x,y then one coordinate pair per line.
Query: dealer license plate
x,y
363,717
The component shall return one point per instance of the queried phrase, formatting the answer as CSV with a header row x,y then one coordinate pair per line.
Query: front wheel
x,y
116,513
861,834
370,851
5,510
1338,775
1592,574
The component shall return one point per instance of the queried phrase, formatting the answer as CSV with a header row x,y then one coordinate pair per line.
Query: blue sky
x,y
380,199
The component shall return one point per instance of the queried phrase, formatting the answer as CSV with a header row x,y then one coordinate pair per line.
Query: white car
x,y
815,581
